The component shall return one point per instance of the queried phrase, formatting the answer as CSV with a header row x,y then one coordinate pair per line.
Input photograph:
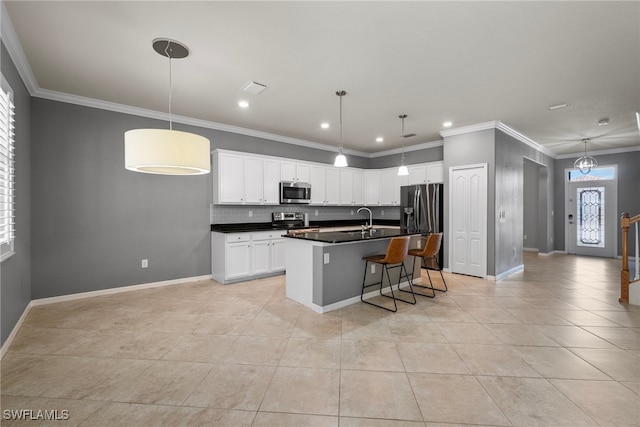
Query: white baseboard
x,y
131,288
551,253
530,249
82,295
510,272
15,330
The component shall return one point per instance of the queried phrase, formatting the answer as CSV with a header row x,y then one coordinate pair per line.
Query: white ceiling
x,y
468,62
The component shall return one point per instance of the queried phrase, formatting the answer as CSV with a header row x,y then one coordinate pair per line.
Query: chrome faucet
x,y
370,224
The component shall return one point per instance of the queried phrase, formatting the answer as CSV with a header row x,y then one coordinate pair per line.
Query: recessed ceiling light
x,y
447,124
324,125
243,104
379,139
603,122
558,106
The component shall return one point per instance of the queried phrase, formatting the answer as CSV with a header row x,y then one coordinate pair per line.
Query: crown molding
x,y
12,43
417,147
496,124
599,152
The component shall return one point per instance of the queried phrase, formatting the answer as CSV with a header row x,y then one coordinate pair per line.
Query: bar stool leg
x,y
395,306
440,270
410,281
433,292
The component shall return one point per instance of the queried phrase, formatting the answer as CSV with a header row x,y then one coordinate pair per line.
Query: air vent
x,y
253,88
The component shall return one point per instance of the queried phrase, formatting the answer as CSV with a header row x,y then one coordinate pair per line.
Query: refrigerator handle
x,y
416,206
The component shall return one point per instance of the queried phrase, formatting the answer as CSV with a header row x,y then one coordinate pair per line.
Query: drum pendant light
x,y
402,170
167,151
341,160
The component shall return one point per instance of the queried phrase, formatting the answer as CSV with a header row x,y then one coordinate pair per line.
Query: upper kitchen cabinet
x,y
296,172
426,173
245,180
352,187
435,172
372,188
325,185
390,187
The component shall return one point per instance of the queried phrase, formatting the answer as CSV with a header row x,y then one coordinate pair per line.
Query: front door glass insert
x,y
590,217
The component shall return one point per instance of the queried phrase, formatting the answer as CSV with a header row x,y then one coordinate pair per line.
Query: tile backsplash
x,y
225,214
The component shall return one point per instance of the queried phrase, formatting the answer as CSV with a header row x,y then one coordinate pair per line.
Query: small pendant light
x,y
341,160
403,170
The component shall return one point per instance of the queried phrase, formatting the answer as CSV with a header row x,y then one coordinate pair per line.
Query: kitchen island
x,y
324,270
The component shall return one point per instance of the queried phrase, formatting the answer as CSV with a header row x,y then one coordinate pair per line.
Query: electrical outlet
x,y
373,268
250,214
382,212
525,237
326,258
144,263
351,211
316,212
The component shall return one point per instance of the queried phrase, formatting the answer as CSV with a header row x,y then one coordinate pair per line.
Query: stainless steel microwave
x,y
295,192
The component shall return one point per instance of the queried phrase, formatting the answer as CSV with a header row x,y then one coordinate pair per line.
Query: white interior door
x,y
591,202
468,220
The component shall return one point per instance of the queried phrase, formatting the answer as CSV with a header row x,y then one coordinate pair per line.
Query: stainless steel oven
x,y
295,192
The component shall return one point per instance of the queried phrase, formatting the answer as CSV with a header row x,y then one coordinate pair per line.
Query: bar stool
x,y
397,251
429,252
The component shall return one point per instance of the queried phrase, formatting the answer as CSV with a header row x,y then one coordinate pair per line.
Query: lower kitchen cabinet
x,y
242,256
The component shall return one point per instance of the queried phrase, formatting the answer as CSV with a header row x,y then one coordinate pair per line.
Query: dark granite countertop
x,y
266,226
351,236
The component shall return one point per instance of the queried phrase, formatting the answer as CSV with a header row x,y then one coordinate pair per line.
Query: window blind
x,y
7,177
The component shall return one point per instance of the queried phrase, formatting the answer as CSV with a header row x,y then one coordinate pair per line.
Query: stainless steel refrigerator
x,y
421,210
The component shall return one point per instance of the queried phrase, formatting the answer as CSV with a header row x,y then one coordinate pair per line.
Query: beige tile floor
x,y
550,346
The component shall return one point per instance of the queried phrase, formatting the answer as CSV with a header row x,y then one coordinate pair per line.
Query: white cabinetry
x,y
435,172
240,256
244,180
296,172
390,187
352,187
325,185
417,174
372,188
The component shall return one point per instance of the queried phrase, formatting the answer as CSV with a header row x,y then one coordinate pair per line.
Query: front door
x,y
591,211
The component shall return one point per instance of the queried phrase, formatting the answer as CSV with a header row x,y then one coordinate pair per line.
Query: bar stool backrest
x,y
397,250
433,245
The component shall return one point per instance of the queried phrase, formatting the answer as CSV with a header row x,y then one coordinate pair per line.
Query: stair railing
x,y
625,223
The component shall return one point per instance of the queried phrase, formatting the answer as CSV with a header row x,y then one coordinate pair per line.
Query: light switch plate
x,y
326,258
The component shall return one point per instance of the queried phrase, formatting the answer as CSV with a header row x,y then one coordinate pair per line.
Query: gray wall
x,y
531,190
628,192
15,272
472,148
434,154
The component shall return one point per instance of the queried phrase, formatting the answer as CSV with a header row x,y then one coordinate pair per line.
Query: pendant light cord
x,y
340,93
166,51
403,116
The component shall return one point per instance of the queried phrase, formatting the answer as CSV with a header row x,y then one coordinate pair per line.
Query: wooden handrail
x,y
625,222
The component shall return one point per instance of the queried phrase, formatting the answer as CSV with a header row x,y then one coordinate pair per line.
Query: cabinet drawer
x,y
238,237
266,235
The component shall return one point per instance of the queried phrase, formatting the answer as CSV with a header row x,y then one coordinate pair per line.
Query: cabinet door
x,y
317,178
278,259
435,172
271,188
302,172
288,171
387,194
260,256
346,187
358,187
417,174
253,181
238,260
231,173
372,191
332,186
